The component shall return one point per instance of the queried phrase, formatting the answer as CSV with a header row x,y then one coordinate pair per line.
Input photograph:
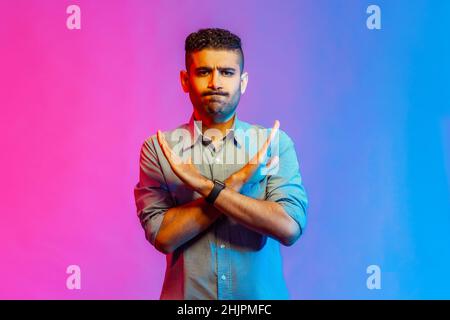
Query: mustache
x,y
210,93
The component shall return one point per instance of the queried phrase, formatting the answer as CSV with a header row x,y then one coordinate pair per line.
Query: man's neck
x,y
222,127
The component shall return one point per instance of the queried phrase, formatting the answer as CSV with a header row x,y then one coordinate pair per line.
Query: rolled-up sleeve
x,y
151,193
285,186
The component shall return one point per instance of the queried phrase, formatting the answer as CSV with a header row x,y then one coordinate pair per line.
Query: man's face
x,y
214,83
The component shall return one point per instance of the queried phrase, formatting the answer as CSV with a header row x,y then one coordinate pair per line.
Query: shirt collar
x,y
197,135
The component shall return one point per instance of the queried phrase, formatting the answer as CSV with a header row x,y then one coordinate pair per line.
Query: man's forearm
x,y
182,223
265,217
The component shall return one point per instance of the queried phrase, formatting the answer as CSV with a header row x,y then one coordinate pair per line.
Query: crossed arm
x,y
263,216
266,217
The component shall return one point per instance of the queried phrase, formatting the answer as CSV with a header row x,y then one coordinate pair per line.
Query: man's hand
x,y
185,170
252,171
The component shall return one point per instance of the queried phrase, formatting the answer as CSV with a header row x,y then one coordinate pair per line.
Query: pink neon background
x,y
77,106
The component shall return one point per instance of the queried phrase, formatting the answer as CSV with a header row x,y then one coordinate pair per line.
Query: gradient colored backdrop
x,y
369,111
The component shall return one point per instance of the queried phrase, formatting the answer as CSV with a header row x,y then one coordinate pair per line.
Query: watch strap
x,y
212,196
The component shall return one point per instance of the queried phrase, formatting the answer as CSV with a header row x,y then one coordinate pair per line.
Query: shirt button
x,y
224,277
222,246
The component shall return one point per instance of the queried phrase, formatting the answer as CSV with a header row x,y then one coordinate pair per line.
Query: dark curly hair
x,y
212,38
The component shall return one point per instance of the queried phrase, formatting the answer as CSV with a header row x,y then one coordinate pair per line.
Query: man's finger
x,y
261,155
273,162
273,132
162,144
272,166
168,152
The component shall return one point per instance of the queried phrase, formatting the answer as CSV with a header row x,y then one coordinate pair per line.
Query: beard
x,y
218,108
216,105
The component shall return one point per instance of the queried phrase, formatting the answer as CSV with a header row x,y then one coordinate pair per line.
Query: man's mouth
x,y
215,94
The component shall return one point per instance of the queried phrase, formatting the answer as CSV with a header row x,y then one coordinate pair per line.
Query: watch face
x,y
219,182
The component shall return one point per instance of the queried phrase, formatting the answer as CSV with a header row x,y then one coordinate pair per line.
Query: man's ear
x,y
184,78
244,81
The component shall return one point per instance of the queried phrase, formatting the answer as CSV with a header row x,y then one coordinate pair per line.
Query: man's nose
x,y
214,80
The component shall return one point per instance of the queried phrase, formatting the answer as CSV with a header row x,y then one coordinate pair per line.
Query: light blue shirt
x,y
227,260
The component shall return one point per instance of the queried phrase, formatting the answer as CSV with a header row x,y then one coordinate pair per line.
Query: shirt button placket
x,y
223,268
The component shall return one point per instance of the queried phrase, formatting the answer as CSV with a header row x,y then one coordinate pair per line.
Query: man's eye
x,y
203,73
227,73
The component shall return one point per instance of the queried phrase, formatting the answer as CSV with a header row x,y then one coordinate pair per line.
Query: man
x,y
216,206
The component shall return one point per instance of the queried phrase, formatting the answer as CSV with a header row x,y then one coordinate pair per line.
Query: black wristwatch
x,y
218,186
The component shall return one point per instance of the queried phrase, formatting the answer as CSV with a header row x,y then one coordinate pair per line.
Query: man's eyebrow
x,y
226,69
204,68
